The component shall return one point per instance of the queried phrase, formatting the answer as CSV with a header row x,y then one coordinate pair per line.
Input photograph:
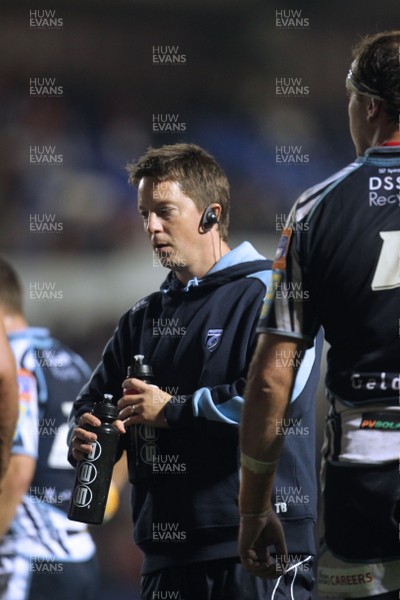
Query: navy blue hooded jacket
x,y
199,340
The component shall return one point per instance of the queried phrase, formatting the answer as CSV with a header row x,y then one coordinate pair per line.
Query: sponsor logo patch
x,y
380,421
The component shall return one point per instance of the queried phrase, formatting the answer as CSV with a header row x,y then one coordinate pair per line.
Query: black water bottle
x,y
94,472
141,438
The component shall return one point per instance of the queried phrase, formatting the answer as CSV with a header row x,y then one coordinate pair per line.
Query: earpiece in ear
x,y
208,219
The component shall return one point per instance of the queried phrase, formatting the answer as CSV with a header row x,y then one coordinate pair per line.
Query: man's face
x,y
171,220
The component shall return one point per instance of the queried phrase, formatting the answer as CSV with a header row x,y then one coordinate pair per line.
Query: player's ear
x,y
373,108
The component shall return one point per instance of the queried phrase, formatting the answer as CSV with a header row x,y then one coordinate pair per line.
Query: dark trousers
x,y
71,581
225,579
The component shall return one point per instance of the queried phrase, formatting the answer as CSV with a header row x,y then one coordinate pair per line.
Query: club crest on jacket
x,y
213,339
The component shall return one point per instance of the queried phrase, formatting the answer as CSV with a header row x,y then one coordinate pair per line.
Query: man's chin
x,y
172,263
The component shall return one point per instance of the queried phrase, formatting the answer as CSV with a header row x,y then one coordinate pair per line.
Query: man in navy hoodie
x,y
198,334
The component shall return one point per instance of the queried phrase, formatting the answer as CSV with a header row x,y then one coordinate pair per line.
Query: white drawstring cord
x,y
292,584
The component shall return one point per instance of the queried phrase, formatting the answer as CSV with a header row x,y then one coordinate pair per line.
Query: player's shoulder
x,y
54,356
26,343
313,196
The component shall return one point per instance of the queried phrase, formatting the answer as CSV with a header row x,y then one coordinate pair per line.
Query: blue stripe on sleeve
x,y
227,412
230,411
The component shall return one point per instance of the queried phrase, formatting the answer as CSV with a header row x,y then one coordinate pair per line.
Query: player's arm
x,y
267,396
8,400
16,482
22,463
266,402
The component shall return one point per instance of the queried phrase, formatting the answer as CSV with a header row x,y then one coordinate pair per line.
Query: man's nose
x,y
153,223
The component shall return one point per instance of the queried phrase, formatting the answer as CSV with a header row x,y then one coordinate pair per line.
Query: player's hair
x,y
377,65
10,289
198,174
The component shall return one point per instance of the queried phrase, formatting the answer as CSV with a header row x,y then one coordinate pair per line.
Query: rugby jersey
x,y
338,265
49,377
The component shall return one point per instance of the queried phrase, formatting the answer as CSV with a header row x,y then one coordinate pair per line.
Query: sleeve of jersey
x,y
215,409
287,308
26,434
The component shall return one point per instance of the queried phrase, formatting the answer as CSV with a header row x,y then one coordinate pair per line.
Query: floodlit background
x,y
112,97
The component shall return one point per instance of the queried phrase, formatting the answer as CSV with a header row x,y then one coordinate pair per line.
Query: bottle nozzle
x,y
105,408
139,369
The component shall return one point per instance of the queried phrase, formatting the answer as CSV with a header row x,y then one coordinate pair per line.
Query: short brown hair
x,y
10,288
199,176
377,64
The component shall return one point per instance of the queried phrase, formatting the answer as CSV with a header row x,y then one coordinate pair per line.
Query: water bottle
x,y
94,472
141,438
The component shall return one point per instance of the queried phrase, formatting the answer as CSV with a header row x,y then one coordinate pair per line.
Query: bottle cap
x,y
139,369
106,409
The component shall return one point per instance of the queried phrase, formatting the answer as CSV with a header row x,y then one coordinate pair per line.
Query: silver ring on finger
x,y
132,409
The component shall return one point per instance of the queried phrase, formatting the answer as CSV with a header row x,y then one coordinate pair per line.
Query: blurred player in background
x,y
42,553
342,243
8,401
198,334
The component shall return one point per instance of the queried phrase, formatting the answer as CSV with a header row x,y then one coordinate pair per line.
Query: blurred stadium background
x,y
110,95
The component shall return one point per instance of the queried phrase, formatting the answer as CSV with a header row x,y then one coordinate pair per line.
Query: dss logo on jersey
x,y
384,190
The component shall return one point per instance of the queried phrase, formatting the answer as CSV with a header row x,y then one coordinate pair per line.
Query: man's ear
x,y
217,209
373,109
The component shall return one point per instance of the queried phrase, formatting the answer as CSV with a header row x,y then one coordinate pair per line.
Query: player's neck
x,y
13,323
392,139
386,133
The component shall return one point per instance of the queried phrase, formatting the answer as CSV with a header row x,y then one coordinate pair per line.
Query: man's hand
x,y
82,439
143,403
255,535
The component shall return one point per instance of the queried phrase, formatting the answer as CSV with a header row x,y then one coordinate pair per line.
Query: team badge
x,y
282,250
213,339
26,386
